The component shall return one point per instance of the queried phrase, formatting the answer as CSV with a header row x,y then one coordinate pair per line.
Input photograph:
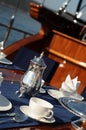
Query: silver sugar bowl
x,y
31,81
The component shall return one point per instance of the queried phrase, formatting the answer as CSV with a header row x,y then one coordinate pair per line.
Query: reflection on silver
x,y
32,79
75,106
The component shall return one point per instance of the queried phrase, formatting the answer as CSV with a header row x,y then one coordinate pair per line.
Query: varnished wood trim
x,y
65,57
28,40
69,37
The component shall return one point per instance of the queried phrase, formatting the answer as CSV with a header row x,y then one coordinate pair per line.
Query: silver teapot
x,y
31,81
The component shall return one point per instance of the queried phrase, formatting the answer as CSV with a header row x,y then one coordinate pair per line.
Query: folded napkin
x,y
69,87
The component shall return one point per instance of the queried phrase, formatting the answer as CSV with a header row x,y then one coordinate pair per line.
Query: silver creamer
x,y
31,81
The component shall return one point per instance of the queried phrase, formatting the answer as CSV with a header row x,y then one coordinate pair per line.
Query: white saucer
x,y
25,110
5,104
59,94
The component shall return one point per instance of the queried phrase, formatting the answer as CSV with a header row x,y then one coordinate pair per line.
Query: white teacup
x,y
40,108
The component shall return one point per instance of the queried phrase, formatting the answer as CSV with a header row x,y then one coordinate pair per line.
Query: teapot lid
x,y
39,60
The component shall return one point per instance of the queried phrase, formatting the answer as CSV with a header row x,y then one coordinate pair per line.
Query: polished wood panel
x,y
68,48
71,55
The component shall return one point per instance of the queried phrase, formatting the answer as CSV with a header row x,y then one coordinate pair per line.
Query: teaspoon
x,y
17,118
7,114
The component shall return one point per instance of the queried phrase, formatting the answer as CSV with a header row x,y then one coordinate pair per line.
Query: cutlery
x,y
17,118
7,114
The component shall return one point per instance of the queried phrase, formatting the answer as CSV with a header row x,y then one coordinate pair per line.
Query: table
x,y
15,76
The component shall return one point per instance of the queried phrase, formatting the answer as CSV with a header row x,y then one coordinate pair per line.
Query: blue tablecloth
x,y
61,114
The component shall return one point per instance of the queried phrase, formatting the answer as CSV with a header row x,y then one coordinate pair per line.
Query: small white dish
x,y
25,110
55,93
59,94
5,104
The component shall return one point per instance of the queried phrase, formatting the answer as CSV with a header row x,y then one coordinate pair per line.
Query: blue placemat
x,y
61,114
